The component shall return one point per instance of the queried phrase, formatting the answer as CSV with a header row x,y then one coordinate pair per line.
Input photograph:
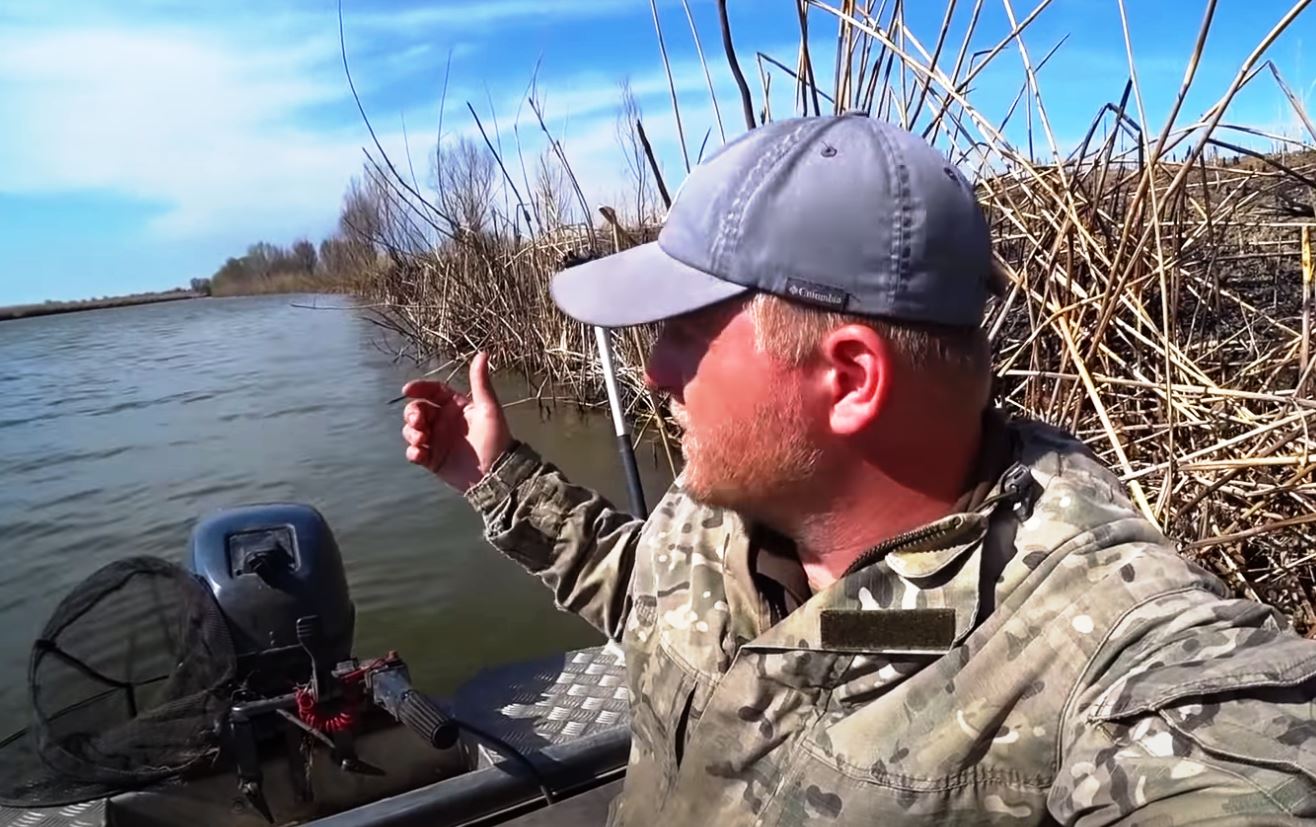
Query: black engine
x,y
276,573
278,577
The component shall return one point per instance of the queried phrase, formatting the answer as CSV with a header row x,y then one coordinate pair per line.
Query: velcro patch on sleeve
x,y
867,630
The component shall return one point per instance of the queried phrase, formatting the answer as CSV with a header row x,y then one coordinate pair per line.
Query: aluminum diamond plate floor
x,y
530,705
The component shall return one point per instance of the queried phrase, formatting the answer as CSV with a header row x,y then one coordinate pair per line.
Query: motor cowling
x,y
277,574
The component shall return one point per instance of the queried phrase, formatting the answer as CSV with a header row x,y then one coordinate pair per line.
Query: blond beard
x,y
754,467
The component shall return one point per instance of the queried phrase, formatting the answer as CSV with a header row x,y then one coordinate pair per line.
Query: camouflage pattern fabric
x,y
1088,674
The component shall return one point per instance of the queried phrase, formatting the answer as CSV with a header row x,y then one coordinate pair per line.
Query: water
x,y
120,427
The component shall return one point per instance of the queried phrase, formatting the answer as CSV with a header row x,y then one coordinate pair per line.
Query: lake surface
x,y
120,427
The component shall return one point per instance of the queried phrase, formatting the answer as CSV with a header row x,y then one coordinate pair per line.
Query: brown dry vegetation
x,y
1157,305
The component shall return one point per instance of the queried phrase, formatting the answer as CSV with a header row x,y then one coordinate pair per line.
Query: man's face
x,y
748,440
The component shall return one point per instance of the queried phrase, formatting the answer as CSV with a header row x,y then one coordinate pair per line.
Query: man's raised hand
x,y
455,435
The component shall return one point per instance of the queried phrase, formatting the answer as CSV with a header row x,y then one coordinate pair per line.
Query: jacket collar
x,y
905,590
921,595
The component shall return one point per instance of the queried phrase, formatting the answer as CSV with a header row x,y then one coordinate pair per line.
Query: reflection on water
x,y
119,427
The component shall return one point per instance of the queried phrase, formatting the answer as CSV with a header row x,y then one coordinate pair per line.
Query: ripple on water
x,y
182,397
71,498
56,459
119,497
207,487
297,410
19,532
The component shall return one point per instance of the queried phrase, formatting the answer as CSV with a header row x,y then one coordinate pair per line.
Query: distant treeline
x,y
335,265
51,307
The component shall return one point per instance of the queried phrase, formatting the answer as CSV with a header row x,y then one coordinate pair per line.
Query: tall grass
x,y
1157,305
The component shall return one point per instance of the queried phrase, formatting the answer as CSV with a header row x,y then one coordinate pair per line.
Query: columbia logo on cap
x,y
817,293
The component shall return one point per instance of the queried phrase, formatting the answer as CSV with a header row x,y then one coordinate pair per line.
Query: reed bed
x,y
1160,278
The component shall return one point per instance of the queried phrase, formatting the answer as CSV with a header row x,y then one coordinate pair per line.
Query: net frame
x,y
171,725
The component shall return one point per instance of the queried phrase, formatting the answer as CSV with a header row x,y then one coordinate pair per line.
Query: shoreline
x,y
27,311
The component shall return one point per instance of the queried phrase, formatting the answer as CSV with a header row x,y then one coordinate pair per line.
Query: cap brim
x,y
636,286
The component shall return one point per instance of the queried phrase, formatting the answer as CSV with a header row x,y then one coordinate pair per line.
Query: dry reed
x,y
1160,279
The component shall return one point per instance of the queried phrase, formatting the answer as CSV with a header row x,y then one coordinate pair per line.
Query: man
x,y
868,598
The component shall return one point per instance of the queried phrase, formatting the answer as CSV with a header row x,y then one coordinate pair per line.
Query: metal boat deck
x,y
568,714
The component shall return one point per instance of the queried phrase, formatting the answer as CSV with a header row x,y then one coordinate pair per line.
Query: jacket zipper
x,y
918,535
1015,485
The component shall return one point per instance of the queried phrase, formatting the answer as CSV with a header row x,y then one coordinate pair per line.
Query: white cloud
x,y
210,122
169,115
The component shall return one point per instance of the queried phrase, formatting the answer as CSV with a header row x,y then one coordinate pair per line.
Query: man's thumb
x,y
482,390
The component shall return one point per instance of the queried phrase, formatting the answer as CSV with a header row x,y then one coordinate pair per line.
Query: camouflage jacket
x,y
1046,659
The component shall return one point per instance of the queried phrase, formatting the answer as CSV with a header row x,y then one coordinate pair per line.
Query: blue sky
x,y
142,142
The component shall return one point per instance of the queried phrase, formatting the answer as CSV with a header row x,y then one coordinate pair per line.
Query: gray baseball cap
x,y
844,212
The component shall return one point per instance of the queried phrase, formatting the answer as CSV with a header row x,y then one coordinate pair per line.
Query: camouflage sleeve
x,y
1198,710
567,535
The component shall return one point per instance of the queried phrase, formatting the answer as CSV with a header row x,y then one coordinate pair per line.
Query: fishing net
x,y
126,683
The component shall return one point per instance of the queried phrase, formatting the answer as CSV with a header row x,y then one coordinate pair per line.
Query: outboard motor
x,y
277,575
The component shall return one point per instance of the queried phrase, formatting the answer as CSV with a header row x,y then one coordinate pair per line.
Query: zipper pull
x,y
1017,486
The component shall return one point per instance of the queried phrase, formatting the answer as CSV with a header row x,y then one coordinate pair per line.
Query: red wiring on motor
x,y
311,714
349,712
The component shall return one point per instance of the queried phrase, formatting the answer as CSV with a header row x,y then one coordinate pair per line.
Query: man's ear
x,y
858,373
